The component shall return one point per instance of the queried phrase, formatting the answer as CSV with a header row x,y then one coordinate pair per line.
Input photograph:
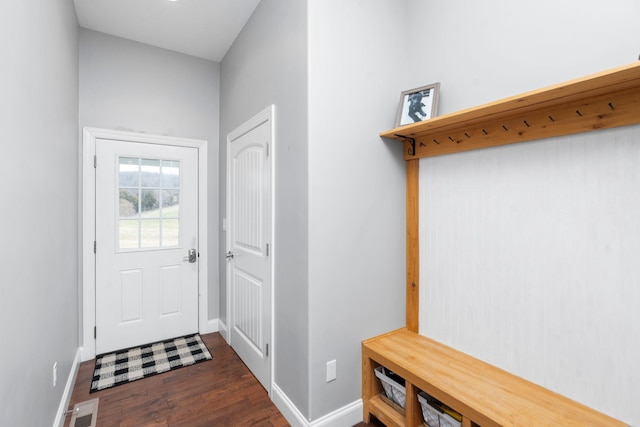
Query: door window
x,y
149,203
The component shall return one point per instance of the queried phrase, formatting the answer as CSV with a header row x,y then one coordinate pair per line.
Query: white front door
x,y
249,237
146,226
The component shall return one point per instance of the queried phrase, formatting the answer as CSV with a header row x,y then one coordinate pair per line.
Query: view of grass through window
x,y
149,206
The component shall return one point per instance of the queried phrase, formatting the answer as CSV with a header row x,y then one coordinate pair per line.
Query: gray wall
x,y
356,189
484,51
39,215
535,242
339,189
267,64
130,86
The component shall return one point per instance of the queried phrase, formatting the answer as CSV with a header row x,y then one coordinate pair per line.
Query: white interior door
x,y
249,236
146,227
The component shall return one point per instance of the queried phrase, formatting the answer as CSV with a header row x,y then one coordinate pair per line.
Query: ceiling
x,y
202,28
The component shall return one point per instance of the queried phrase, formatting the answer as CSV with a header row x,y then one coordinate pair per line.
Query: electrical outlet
x,y
331,371
55,373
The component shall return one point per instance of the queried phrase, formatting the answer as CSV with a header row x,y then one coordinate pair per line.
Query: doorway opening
x,y
197,240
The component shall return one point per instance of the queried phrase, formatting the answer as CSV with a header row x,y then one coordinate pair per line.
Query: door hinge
x,y
267,350
95,162
267,150
94,246
95,332
267,249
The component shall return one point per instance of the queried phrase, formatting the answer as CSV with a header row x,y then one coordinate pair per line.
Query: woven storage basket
x,y
434,417
392,389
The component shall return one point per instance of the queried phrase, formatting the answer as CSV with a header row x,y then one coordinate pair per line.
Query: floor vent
x,y
84,414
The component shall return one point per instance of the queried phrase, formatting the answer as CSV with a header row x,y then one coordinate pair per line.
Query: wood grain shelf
x,y
485,395
599,101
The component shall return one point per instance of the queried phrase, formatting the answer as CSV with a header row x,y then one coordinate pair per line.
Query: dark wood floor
x,y
374,423
218,392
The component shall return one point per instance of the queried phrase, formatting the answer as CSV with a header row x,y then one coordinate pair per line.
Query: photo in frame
x,y
418,104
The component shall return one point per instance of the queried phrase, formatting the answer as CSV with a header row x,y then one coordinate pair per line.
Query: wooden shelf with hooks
x,y
483,394
599,101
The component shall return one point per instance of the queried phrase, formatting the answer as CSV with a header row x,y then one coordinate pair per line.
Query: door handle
x,y
192,256
229,255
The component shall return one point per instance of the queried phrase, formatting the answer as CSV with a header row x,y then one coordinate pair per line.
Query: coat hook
x,y
552,119
467,135
611,106
485,132
436,141
504,127
579,113
525,122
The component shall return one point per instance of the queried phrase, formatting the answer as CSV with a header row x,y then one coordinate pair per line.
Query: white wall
x,y
126,85
267,64
356,190
528,252
39,176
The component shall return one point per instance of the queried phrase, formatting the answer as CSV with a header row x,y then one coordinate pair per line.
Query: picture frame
x,y
418,104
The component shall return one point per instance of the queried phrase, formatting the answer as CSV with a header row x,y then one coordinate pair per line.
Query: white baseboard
x,y
222,328
348,415
210,327
288,409
68,390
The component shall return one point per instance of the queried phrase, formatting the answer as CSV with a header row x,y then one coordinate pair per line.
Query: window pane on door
x,y
129,202
149,233
149,203
129,172
170,174
170,203
150,173
128,234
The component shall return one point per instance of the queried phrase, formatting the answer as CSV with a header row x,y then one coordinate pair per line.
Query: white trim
x,y
348,415
89,136
68,390
222,328
287,408
211,327
266,115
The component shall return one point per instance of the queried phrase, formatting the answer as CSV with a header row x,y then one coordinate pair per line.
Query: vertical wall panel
x,y
529,260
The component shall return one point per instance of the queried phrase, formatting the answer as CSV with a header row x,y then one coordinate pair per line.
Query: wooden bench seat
x,y
485,395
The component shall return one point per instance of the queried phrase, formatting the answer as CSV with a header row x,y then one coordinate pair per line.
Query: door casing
x,y
88,194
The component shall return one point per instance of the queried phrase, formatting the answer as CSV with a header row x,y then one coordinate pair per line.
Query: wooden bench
x,y
484,395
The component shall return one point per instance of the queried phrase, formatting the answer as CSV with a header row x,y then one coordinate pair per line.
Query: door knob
x,y
192,256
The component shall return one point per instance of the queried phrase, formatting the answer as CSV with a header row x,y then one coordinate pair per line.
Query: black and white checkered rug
x,y
124,366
